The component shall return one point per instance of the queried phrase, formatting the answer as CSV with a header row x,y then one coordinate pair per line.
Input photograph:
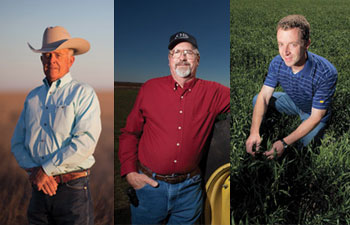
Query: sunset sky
x,y
23,21
139,51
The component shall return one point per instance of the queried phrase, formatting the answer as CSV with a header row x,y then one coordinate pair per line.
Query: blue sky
x,y
23,21
143,28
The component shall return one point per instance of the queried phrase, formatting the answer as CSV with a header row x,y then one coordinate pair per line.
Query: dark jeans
x,y
72,205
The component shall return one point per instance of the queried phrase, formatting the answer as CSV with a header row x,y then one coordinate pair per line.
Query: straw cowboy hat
x,y
56,38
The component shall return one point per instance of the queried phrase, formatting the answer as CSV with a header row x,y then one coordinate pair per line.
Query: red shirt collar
x,y
187,85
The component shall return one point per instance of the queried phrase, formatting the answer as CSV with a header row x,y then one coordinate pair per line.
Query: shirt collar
x,y
187,85
308,65
60,82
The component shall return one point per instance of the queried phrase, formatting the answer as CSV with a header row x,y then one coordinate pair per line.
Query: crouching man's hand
x,y
253,144
276,150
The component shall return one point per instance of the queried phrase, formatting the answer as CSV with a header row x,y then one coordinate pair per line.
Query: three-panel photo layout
x,y
180,112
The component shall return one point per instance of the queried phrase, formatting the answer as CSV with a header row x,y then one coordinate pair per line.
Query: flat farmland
x,y
15,191
124,98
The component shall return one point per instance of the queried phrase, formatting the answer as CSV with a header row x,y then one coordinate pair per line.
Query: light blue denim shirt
x,y
58,128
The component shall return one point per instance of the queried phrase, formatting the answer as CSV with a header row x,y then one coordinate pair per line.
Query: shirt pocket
x,y
64,119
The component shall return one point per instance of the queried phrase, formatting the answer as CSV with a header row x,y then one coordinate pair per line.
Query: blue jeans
x,y
182,202
284,104
72,204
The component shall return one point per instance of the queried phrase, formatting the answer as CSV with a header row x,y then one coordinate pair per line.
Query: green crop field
x,y
310,186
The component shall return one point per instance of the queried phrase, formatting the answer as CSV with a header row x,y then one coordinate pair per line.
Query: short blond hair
x,y
296,21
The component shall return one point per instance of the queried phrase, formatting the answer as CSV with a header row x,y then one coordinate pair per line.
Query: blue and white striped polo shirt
x,y
312,87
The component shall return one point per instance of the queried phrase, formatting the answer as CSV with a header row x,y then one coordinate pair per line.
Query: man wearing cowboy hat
x,y
161,145
56,135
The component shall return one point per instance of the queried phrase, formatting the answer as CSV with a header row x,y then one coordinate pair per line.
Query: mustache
x,y
182,64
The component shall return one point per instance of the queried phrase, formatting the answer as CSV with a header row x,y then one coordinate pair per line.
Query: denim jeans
x,y
72,205
284,104
181,203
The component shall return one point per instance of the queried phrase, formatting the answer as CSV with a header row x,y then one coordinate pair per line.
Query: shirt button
x,y
46,107
175,161
179,128
174,89
177,144
180,111
182,96
189,89
44,124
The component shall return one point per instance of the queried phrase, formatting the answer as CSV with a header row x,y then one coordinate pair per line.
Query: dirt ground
x,y
15,189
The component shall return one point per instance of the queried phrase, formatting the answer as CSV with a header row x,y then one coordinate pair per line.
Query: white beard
x,y
183,72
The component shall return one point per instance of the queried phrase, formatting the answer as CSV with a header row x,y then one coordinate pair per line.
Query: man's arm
x,y
44,182
302,130
128,146
83,136
130,137
223,99
18,148
258,114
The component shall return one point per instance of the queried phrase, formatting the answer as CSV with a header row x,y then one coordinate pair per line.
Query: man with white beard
x,y
161,145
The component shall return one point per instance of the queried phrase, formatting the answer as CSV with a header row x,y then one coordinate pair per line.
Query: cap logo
x,y
181,35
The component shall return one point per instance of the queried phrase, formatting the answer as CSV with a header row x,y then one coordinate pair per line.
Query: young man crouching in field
x,y
308,81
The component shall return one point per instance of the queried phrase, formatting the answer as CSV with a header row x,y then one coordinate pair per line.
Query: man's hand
x,y
253,139
137,180
276,150
44,182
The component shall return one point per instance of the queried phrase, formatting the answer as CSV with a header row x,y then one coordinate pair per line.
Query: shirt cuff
x,y
128,168
49,168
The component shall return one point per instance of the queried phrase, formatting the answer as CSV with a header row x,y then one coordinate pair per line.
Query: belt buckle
x,y
172,175
170,178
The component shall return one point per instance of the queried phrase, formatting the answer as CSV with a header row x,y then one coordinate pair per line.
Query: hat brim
x,y
79,45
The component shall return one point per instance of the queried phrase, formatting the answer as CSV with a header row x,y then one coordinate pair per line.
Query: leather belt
x,y
171,179
64,178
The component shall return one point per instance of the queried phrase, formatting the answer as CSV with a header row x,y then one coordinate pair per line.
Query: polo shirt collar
x,y
308,65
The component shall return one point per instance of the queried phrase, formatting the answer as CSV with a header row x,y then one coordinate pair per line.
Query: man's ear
x,y
71,60
307,45
169,56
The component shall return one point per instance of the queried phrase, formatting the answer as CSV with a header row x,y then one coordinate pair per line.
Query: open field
x,y
15,189
124,97
302,187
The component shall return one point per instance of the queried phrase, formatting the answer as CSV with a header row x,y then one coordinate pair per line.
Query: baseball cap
x,y
181,37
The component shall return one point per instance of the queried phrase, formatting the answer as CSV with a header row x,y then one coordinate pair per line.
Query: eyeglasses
x,y
190,54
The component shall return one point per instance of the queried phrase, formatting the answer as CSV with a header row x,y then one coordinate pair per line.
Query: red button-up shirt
x,y
169,125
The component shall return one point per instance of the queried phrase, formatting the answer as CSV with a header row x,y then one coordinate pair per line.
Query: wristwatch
x,y
284,144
